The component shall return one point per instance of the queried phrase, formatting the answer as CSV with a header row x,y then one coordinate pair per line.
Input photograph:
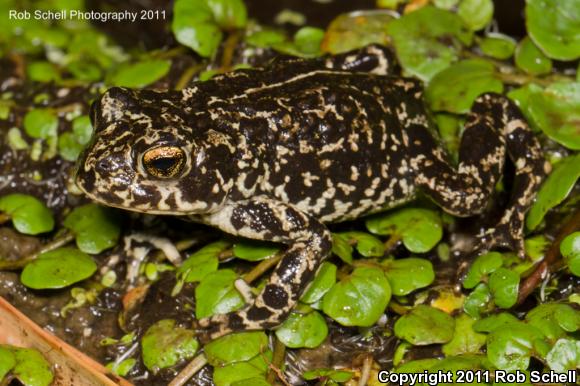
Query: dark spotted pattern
x,y
274,153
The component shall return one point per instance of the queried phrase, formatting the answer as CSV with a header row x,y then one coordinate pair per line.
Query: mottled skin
x,y
275,153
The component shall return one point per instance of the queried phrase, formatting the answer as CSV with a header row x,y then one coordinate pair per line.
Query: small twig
x,y
63,239
262,267
4,217
278,358
391,242
229,48
520,79
167,54
181,246
365,372
187,76
7,380
189,371
552,255
68,108
225,255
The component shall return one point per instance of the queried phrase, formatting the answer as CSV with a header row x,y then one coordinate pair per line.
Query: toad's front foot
x,y
309,242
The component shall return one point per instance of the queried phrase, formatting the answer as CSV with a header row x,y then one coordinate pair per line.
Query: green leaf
x,y
323,281
58,268
450,125
555,189
68,147
85,71
445,4
564,356
96,228
194,27
41,123
452,364
253,250
477,301
428,40
521,96
407,275
359,299
455,88
420,229
494,322
554,25
465,340
7,361
70,144
202,262
123,367
536,247
305,43
216,294
504,286
342,248
349,31
570,249
266,38
476,14
14,137
307,40
530,59
232,374
367,245
498,46
554,320
198,24
165,344
31,368
255,381
417,366
29,215
482,266
510,347
228,14
303,330
425,325
238,347
82,129
141,74
42,72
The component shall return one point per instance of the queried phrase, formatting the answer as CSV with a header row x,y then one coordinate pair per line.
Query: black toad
x,y
275,153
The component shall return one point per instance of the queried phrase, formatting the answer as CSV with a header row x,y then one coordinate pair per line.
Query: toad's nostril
x,y
102,164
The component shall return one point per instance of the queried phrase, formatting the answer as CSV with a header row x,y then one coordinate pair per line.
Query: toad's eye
x,y
164,161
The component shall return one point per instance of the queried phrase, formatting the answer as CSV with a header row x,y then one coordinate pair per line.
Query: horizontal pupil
x,y
163,163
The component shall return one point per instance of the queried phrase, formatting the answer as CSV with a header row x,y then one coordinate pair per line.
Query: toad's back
x,y
329,142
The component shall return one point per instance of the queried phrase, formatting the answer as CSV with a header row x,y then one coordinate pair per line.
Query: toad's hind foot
x,y
505,235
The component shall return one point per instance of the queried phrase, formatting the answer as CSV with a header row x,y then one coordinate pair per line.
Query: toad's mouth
x,y
135,198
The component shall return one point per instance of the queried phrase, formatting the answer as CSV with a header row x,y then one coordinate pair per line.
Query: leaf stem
x,y
189,371
62,239
365,372
278,358
187,76
392,242
259,269
229,48
4,218
552,255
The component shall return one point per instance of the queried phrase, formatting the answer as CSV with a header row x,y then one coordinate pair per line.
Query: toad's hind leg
x,y
309,242
493,123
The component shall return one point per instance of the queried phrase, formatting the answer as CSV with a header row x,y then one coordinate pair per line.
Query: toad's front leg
x,y
308,240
